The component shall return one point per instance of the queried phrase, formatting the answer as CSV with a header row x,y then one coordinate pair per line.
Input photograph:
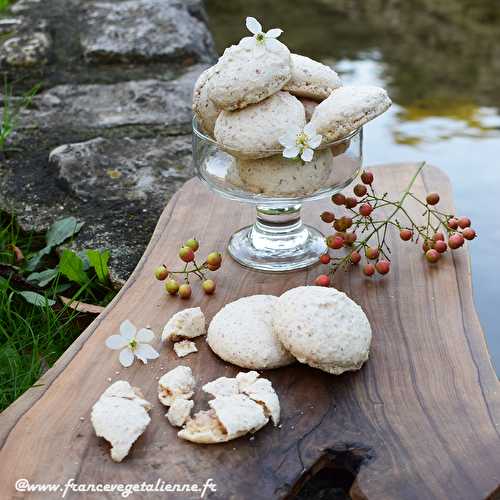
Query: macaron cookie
x,y
254,132
311,79
347,109
241,333
245,76
323,328
279,176
204,108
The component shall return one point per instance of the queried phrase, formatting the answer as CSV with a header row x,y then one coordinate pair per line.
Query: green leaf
x,y
99,261
34,261
43,278
36,299
72,267
61,230
4,284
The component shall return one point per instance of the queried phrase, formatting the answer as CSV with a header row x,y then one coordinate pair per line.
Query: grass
x,y
36,328
4,4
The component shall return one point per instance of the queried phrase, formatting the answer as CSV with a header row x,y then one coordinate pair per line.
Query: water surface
x,y
440,62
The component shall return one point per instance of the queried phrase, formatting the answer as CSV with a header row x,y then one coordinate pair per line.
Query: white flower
x,y
132,343
301,142
260,40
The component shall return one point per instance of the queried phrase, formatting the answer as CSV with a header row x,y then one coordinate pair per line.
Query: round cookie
x,y
241,333
244,76
279,176
323,328
203,107
311,79
347,109
254,132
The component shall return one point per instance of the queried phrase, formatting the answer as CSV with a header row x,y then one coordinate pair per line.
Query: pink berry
x,y
355,257
338,199
350,238
161,273
464,222
335,242
186,254
351,202
214,261
440,246
427,245
327,217
185,291
365,209
455,241
453,223
372,253
368,269
322,280
367,177
193,244
438,237
325,259
432,255
383,266
469,233
405,234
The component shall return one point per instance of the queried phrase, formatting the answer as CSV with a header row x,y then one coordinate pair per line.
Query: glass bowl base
x,y
277,251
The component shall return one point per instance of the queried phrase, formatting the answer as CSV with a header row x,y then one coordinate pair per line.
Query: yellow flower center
x,y
302,140
132,344
260,37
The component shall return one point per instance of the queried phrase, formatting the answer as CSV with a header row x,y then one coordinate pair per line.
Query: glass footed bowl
x,y
278,240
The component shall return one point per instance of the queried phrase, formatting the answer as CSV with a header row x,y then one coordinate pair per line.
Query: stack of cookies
x,y
277,114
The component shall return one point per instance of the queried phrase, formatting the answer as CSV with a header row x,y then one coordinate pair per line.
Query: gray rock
x,y
144,30
164,104
118,187
30,49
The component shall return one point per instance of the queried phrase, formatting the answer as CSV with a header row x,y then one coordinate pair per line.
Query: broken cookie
x,y
184,347
120,416
177,383
179,411
186,324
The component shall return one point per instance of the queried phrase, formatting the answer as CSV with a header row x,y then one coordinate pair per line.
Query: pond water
x,y
440,62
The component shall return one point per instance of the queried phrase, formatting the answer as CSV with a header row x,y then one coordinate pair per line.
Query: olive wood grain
x,y
420,420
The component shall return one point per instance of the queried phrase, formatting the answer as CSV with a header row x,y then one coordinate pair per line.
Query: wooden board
x,y
420,420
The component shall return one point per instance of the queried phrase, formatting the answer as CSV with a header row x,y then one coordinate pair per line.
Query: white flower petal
x,y
145,335
145,352
314,141
116,342
126,357
292,152
127,330
247,42
310,130
272,44
307,154
253,25
287,140
274,33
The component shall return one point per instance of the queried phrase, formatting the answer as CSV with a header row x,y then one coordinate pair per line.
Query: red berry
x,y
186,254
338,199
464,222
350,238
351,202
342,224
372,253
368,269
360,190
325,259
327,217
405,234
355,257
322,280
469,233
367,177
171,286
208,286
438,237
383,266
161,273
453,223
335,242
432,255
214,260
185,291
440,246
432,198
427,245
455,241
365,209
192,244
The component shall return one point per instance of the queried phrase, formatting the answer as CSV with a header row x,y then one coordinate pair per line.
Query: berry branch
x,y
369,228
191,267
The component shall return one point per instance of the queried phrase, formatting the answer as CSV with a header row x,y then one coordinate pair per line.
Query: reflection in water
x,y
440,62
